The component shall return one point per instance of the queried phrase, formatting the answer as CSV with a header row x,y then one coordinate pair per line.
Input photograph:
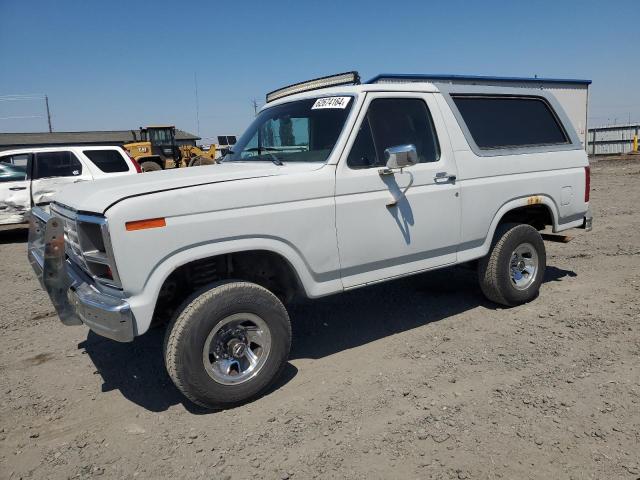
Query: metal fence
x,y
613,140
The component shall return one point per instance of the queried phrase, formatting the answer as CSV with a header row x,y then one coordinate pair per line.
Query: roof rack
x,y
434,78
346,78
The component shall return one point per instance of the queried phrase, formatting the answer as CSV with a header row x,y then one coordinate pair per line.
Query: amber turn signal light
x,y
144,224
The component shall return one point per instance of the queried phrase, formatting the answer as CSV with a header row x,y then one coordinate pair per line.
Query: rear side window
x,y
109,161
502,122
57,164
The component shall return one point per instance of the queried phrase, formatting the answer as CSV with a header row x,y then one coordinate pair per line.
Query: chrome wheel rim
x,y
237,348
523,267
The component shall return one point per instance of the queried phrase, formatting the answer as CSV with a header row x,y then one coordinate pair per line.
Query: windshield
x,y
301,131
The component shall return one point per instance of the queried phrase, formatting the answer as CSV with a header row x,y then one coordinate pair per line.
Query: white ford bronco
x,y
336,185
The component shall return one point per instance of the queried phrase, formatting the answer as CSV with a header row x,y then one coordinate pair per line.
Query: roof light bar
x,y
347,78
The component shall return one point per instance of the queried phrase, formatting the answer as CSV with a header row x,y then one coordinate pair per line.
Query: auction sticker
x,y
331,102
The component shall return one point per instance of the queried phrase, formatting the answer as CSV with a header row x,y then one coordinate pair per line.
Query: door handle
x,y
15,189
444,177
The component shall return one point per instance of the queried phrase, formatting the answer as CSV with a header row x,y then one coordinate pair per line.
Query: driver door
x,y
378,239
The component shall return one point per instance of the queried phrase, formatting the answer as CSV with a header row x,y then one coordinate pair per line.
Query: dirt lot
x,y
420,378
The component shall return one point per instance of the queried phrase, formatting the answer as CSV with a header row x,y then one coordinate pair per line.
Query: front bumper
x,y
73,293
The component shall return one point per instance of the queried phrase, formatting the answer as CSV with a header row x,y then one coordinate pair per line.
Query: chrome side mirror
x,y
397,158
400,156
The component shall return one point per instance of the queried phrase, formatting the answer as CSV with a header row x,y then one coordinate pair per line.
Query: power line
x,y
22,96
16,97
19,99
15,117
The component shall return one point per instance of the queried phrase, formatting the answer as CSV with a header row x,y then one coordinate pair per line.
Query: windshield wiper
x,y
268,151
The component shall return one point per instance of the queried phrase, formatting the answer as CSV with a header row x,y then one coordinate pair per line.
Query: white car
x,y
335,185
31,176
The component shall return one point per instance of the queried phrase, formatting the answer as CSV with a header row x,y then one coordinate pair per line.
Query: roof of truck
x,y
349,82
356,89
434,77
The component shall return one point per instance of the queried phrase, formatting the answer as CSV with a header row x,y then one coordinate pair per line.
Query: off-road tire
x,y
150,166
196,318
494,270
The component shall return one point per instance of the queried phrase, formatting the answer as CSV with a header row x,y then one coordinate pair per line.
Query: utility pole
x,y
195,80
46,101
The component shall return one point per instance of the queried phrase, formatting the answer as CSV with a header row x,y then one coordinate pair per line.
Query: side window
x,y
363,151
108,161
390,122
20,159
11,173
56,164
502,122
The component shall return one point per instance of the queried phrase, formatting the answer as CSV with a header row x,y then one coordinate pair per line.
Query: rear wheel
x,y
512,272
150,166
228,344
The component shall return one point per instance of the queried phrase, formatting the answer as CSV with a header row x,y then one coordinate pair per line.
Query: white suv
x,y
31,176
334,186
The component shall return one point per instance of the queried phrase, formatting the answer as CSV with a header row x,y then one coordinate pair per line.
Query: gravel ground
x,y
418,378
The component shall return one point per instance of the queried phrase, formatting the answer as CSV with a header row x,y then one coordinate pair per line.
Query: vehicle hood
x,y
97,196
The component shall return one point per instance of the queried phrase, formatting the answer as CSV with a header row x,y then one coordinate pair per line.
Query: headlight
x,y
96,250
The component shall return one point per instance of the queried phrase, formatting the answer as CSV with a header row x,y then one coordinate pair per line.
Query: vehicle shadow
x,y
11,234
137,370
321,328
329,325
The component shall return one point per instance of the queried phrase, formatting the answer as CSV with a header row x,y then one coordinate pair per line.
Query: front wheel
x,y
512,272
228,344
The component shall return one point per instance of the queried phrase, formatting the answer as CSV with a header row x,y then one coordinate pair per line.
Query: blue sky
x,y
121,64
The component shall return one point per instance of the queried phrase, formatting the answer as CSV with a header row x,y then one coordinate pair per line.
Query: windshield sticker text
x,y
331,102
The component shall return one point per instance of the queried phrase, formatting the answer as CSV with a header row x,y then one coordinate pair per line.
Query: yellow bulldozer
x,y
156,149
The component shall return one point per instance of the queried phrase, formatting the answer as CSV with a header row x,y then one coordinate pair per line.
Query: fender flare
x,y
510,205
314,285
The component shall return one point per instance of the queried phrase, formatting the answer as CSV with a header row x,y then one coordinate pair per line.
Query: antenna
x,y
254,102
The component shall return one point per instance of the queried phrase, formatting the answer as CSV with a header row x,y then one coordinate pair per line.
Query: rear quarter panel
x,y
492,185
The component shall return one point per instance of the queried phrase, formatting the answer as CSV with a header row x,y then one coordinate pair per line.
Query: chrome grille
x,y
71,239
79,246
72,242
